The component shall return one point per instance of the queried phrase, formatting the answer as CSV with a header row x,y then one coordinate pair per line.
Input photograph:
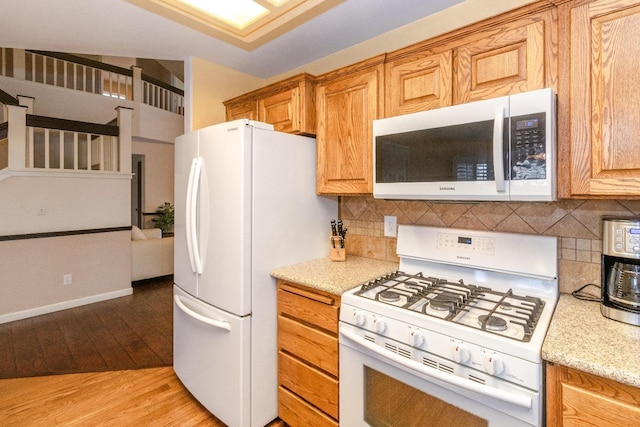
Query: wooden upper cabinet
x,y
346,107
288,105
242,110
604,92
507,60
418,81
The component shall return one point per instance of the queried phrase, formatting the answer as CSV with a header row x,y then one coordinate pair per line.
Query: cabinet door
x,y
281,110
418,82
578,398
242,110
604,99
346,108
507,61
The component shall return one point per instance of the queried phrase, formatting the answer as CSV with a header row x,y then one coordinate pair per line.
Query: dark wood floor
x,y
130,332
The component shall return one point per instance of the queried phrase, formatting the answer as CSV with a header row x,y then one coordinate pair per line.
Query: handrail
x,y
162,84
84,61
71,125
7,99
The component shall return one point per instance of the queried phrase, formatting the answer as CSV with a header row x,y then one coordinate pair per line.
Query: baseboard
x,y
32,312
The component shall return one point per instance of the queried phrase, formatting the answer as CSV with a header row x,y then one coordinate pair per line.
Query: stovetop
x,y
504,313
496,291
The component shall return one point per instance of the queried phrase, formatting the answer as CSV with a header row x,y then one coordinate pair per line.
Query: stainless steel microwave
x,y
497,149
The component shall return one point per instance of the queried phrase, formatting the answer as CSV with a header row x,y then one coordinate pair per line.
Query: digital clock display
x,y
634,231
464,240
527,124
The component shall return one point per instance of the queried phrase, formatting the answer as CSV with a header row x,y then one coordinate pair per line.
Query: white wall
x,y
207,86
32,273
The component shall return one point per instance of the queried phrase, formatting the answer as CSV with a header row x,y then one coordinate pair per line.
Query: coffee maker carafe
x,y
621,269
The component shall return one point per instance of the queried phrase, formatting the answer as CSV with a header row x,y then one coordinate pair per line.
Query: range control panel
x,y
467,243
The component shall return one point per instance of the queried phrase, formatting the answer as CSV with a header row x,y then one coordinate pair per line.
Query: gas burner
x,y
389,296
492,323
444,301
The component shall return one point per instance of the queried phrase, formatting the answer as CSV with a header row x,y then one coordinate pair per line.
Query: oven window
x,y
391,403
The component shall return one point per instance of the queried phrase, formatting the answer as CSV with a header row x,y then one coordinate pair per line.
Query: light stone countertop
x,y
580,337
335,277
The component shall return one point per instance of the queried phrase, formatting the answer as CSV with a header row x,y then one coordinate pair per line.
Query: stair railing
x,y
78,73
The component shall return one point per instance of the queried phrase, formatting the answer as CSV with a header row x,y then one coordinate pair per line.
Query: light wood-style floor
x,y
142,397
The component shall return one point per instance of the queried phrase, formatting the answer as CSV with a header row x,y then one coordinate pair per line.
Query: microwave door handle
x,y
498,148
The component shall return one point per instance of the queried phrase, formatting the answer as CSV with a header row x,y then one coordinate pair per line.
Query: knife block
x,y
338,253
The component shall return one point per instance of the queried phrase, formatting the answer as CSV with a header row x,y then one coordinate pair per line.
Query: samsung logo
x,y
466,258
447,188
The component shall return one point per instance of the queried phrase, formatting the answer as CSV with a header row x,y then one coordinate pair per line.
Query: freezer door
x,y
186,152
211,356
225,212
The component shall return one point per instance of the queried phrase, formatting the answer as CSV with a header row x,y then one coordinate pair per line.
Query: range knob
x,y
493,364
460,352
417,338
359,318
380,325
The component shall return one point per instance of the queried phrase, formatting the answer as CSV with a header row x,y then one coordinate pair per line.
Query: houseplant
x,y
163,218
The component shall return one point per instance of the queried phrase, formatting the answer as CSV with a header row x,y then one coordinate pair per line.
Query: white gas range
x,y
459,328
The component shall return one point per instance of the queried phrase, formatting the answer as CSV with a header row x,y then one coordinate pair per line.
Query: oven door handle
x,y
485,390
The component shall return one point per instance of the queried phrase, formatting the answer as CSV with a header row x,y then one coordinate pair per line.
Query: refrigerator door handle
x,y
188,209
192,212
215,323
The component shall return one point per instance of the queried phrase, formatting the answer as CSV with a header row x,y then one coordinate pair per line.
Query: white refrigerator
x,y
245,203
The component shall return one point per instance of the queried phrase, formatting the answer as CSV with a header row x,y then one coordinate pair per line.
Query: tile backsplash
x,y
576,223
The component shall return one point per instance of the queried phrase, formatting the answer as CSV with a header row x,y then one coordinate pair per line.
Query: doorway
x,y
137,190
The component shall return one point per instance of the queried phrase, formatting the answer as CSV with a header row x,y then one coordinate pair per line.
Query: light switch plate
x,y
390,226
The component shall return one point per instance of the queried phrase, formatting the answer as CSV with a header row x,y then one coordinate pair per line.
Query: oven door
x,y
381,388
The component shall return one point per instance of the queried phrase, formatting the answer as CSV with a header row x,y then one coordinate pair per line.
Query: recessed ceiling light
x,y
243,23
238,13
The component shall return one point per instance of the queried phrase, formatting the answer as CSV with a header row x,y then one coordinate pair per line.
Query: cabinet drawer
x,y
312,345
298,413
314,386
316,309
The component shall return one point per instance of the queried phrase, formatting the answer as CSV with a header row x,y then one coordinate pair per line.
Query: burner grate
x,y
478,307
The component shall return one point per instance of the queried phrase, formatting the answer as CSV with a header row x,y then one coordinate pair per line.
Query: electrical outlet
x,y
67,279
390,226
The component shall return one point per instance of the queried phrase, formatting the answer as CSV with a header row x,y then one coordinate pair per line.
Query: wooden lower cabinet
x,y
308,391
576,398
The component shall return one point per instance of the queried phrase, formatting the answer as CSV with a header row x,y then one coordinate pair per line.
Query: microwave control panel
x,y
528,147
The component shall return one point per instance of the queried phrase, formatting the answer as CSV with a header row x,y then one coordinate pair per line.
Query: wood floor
x,y
97,340
143,397
130,332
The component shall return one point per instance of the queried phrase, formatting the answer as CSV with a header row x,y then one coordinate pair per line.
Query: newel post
x,y
125,130
17,134
137,83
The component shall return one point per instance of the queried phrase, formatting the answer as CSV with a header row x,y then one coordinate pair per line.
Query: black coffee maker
x,y
621,269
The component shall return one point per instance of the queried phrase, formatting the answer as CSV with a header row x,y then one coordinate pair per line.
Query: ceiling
x,y
121,28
